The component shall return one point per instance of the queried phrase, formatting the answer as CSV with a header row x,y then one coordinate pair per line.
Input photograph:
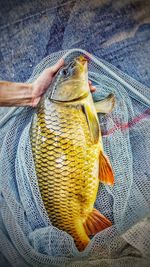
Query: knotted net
x,y
27,237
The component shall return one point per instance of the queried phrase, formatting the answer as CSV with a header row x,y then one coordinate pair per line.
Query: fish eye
x,y
64,72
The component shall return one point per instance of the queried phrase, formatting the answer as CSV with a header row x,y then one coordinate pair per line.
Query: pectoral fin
x,y
92,121
106,175
95,223
105,105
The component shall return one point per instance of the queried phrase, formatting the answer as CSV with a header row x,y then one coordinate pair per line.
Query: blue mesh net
x,y
27,235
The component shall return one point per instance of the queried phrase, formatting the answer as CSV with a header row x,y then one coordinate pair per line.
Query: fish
x,y
68,154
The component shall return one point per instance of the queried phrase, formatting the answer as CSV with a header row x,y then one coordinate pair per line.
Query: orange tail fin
x,y
95,223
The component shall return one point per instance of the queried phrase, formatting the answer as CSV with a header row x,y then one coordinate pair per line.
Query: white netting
x,y
27,237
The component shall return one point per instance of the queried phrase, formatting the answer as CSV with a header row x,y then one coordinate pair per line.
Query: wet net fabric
x,y
27,237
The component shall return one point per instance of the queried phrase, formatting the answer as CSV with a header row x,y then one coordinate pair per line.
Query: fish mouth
x,y
82,59
81,62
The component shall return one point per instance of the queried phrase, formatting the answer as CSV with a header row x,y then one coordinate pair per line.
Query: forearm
x,y
15,94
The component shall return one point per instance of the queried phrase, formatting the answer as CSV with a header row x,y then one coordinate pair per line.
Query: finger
x,y
57,66
92,88
35,101
43,81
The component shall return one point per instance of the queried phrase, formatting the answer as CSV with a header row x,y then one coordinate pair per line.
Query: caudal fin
x,y
95,223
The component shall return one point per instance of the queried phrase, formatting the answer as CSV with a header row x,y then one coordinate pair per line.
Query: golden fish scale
x,y
66,164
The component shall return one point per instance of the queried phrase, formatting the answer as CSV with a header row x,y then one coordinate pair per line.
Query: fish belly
x,y
66,164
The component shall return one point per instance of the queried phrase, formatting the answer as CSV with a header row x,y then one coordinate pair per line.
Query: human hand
x,y
41,84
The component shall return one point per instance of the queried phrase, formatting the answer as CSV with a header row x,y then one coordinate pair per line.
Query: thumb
x,y
57,66
43,81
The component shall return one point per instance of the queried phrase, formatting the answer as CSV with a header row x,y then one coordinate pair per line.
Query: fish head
x,y
71,82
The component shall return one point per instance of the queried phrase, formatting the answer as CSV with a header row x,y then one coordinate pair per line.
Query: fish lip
x,y
82,59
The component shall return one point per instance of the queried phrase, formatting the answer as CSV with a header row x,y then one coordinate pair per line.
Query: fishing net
x,y
27,237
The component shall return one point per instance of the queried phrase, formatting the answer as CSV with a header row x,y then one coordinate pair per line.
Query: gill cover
x,y
71,82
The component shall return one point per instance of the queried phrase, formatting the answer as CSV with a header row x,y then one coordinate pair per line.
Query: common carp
x,y
68,153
